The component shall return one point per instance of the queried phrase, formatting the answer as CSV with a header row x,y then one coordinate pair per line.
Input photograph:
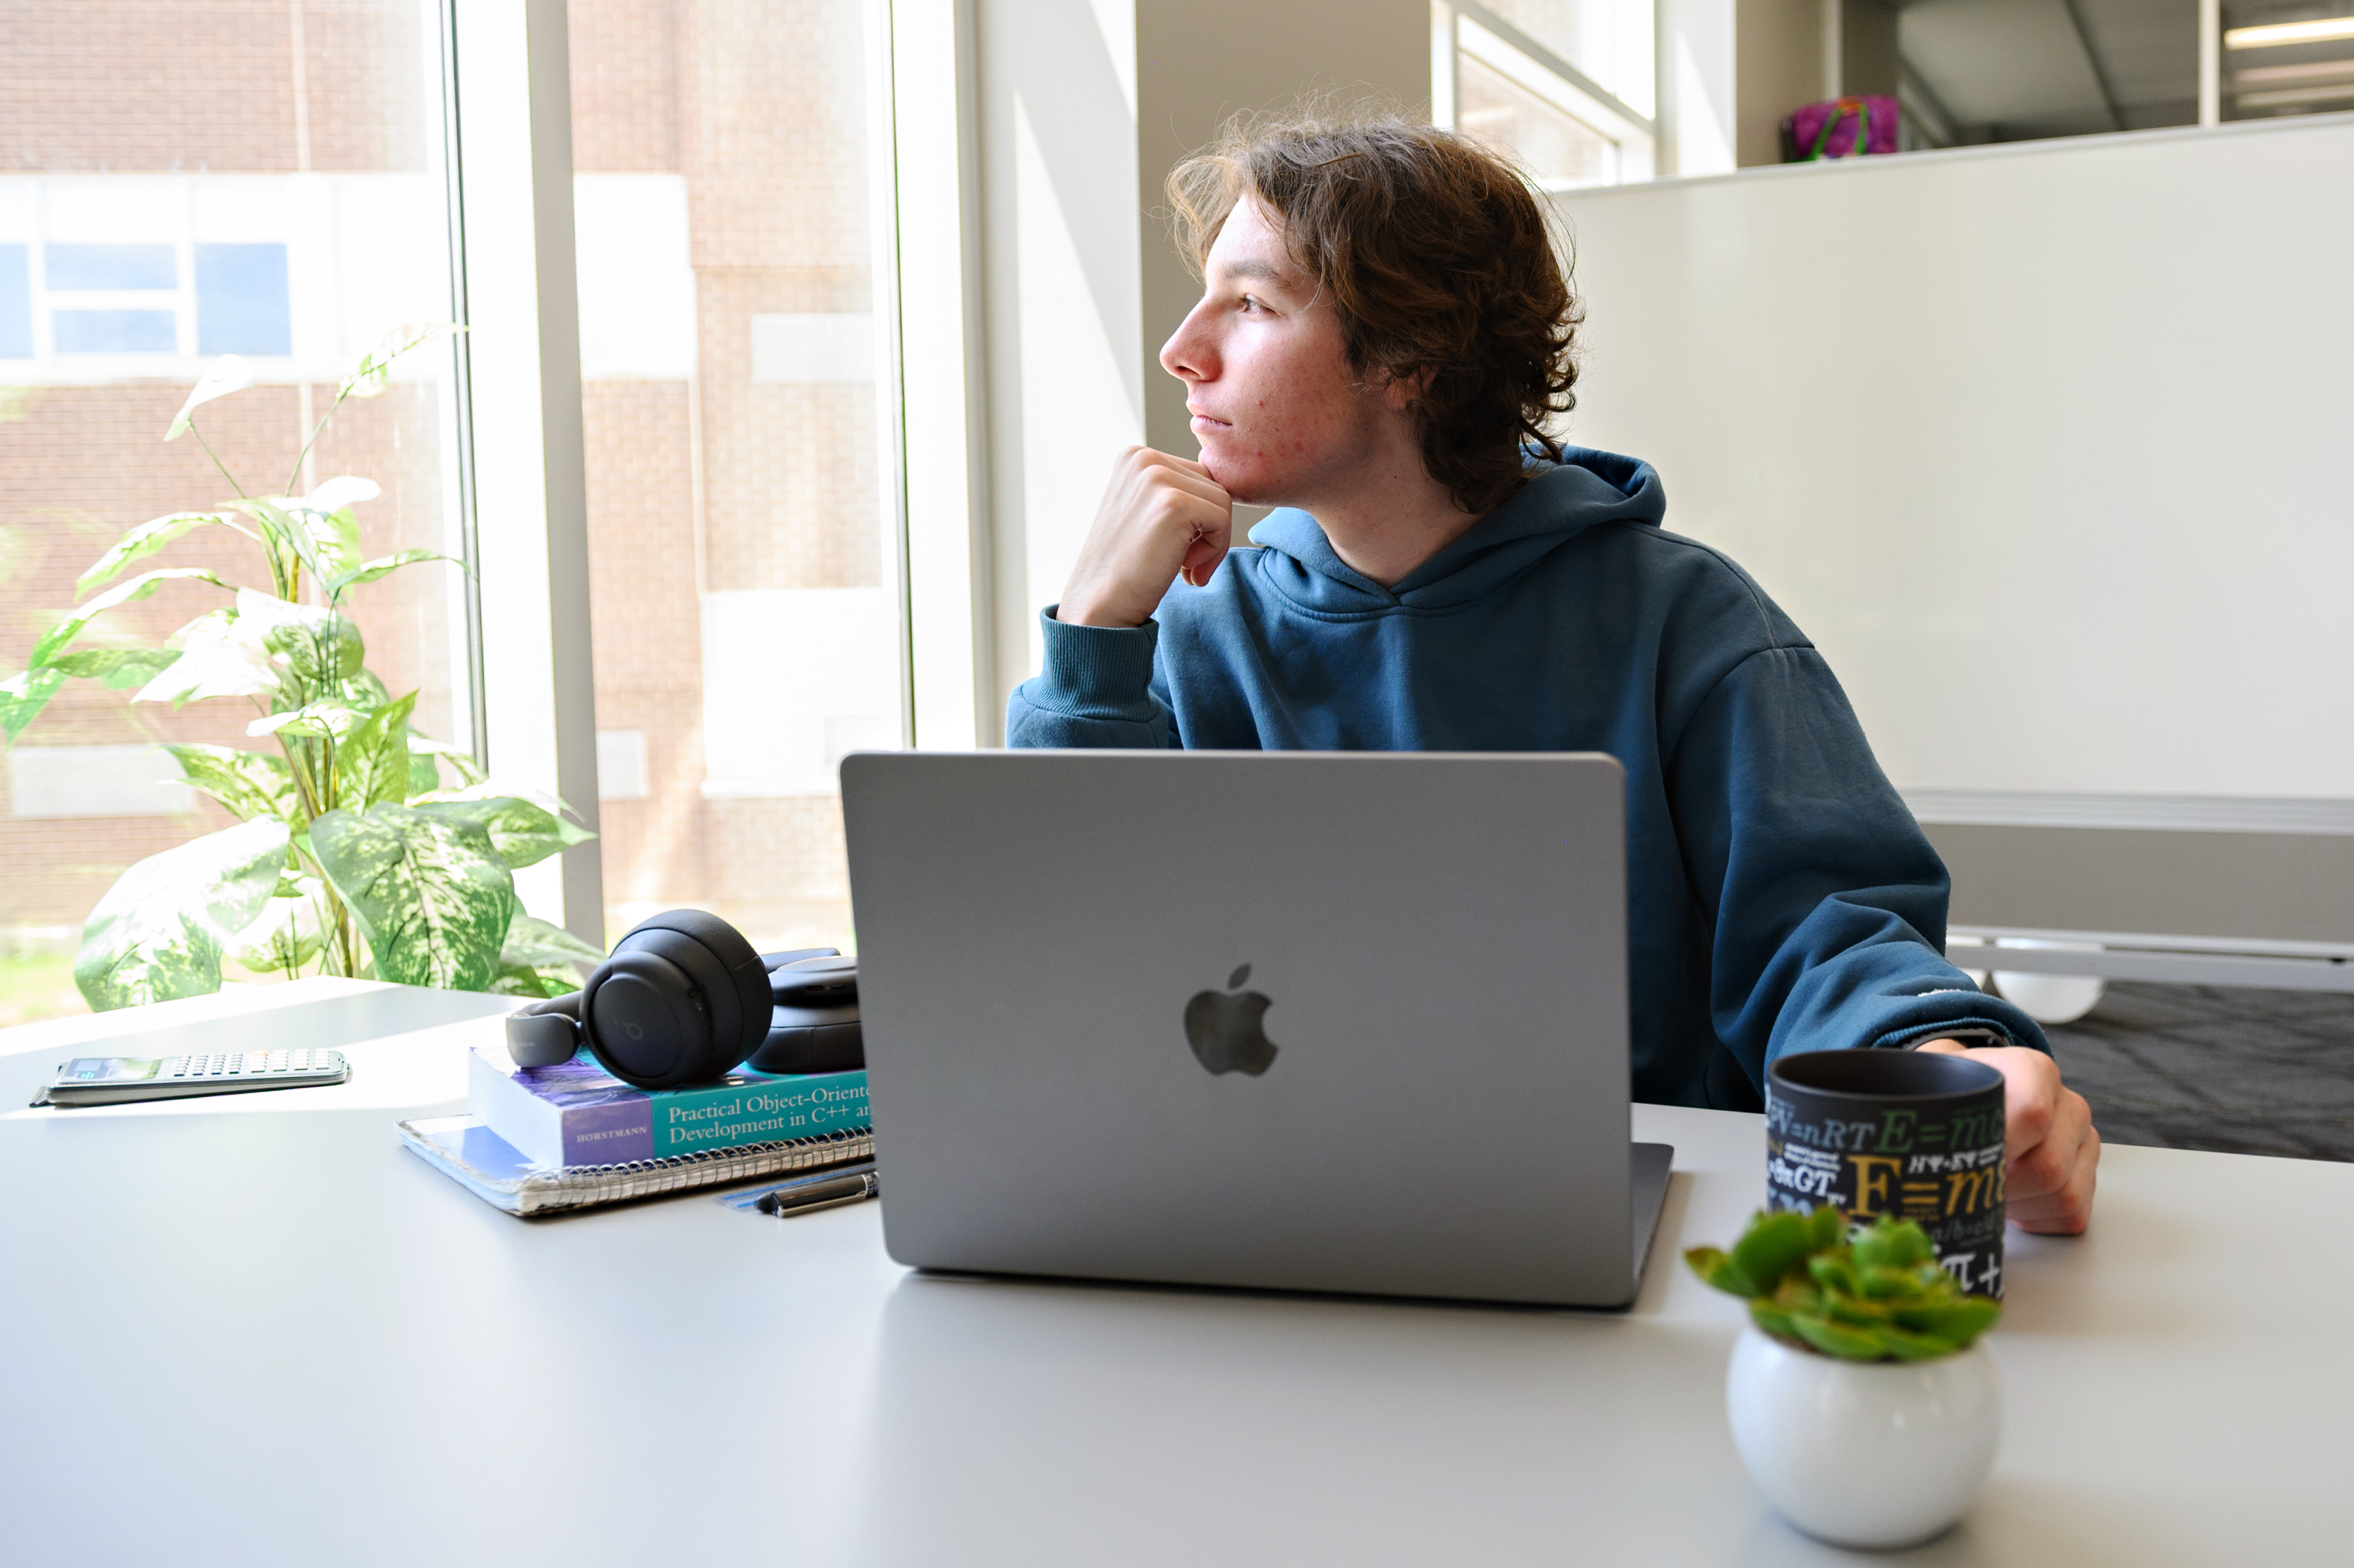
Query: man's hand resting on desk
x,y
2052,1151
1161,516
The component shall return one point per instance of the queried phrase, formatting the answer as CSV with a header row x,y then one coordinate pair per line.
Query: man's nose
x,y
1183,355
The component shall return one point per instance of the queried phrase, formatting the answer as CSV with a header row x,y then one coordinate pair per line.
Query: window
x,y
284,193
743,539
278,192
241,305
15,302
1566,86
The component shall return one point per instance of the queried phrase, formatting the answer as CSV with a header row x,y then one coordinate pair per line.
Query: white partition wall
x,y
2046,446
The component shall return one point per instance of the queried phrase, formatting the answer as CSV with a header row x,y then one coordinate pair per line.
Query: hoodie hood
x,y
1564,500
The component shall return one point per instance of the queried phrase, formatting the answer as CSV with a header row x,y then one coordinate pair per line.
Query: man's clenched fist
x,y
1162,517
2052,1151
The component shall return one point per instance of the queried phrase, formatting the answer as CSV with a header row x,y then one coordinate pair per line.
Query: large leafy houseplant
x,y
361,847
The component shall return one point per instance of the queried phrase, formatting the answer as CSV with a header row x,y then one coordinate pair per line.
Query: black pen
x,y
820,1191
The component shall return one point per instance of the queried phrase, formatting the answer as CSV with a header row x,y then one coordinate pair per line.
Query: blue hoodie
x,y
1780,897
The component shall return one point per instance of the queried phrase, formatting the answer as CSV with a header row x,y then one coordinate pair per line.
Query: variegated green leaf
x,y
117,668
322,654
250,783
325,516
159,931
287,935
144,540
432,897
425,758
372,763
382,567
330,720
363,688
318,648
374,372
279,529
523,832
547,979
23,695
533,942
230,374
220,655
138,587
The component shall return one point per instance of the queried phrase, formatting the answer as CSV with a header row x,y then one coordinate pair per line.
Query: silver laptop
x,y
1313,1021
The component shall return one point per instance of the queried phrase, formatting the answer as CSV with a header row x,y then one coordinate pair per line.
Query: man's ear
x,y
1401,389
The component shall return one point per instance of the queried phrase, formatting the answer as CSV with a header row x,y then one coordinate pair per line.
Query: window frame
x,y
522,458
1463,28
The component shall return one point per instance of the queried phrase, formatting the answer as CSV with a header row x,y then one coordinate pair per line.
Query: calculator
x,y
110,1080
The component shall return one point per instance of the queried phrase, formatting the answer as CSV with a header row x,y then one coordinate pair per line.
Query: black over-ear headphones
x,y
683,999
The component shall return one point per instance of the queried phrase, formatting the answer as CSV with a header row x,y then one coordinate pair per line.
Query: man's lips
x,y
1210,420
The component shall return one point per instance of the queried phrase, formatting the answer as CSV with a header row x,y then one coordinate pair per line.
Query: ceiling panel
x,y
1996,62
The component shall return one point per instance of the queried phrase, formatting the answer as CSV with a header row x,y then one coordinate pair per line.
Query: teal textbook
x,y
575,1113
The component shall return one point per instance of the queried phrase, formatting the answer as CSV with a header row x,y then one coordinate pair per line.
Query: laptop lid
x,y
1346,1022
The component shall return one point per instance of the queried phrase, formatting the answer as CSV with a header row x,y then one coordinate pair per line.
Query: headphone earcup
x,y
682,1001
811,1040
745,989
645,1016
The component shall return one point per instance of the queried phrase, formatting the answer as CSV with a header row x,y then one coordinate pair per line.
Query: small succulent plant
x,y
1868,1293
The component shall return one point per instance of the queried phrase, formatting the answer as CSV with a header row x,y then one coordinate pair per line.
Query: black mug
x,y
1898,1133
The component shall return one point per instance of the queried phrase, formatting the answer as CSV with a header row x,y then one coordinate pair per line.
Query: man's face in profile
x,y
1281,415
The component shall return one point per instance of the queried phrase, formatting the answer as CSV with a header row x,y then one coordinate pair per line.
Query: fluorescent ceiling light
x,y
2292,75
2279,33
2294,95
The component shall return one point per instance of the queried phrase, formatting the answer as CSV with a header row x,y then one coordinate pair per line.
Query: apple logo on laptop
x,y
1227,1030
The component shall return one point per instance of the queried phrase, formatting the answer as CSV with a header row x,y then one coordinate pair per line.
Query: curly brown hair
x,y
1439,260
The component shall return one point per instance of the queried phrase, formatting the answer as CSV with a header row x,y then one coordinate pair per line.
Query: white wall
x,y
2045,445
1696,73
1066,383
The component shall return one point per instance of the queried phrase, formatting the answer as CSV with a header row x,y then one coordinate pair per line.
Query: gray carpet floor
x,y
2242,1071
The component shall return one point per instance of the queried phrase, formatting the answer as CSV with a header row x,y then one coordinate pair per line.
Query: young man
x,y
1385,327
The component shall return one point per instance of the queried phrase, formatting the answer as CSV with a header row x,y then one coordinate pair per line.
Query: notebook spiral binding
x,y
463,1148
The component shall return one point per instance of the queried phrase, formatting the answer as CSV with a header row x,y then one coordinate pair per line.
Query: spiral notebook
x,y
491,1168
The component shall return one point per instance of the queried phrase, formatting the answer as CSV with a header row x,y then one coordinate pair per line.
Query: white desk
x,y
203,1298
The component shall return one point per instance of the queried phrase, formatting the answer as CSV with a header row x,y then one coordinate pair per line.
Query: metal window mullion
x,y
462,423
891,398
522,366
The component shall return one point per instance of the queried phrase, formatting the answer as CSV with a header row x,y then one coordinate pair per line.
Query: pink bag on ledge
x,y
1840,128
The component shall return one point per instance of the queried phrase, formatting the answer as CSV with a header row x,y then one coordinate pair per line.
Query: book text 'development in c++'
x,y
577,1114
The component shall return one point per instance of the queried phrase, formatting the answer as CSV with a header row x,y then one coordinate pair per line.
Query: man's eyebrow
x,y
1249,267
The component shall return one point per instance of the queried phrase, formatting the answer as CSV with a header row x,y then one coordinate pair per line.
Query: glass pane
x,y
741,545
1609,40
276,193
1560,152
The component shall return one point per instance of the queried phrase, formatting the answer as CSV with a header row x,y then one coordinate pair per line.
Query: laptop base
x,y
1647,1195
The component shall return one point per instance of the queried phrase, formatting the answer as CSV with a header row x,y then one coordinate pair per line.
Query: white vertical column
x,y
936,165
1442,65
1695,74
522,307
2211,63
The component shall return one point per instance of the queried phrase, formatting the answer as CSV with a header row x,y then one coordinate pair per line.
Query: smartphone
x,y
110,1080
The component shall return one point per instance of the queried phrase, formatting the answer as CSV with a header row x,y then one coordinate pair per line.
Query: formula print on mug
x,y
1898,1133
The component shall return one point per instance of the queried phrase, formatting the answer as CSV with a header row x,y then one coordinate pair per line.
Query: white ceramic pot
x,y
1863,1453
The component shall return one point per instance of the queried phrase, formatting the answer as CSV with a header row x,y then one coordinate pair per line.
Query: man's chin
x,y
1246,486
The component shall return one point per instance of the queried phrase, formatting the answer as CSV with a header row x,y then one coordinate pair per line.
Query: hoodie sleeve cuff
x,y
1970,1032
1095,671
